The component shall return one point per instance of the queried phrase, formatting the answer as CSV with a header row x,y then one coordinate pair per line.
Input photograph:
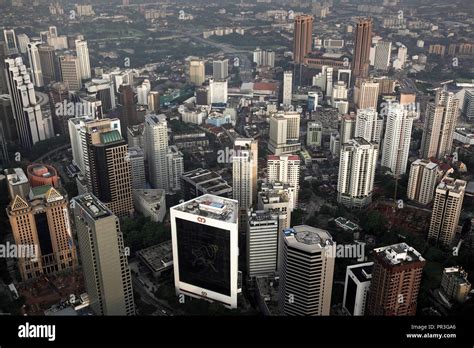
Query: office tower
x,y
277,198
59,95
3,84
244,172
439,126
201,181
47,56
366,94
41,220
455,284
285,169
262,243
70,72
335,143
468,105
402,55
369,125
307,271
204,233
362,43
314,134
42,174
11,46
104,91
357,166
329,81
142,92
218,91
285,133
137,165
422,181
347,127
220,69
82,52
447,206
303,37
32,126
356,288
339,92
156,148
383,49
197,74
35,64
23,41
345,76
175,168
7,120
396,278
128,114
104,262
287,87
397,138
154,101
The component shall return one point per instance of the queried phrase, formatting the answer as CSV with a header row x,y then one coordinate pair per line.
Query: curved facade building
x,y
42,174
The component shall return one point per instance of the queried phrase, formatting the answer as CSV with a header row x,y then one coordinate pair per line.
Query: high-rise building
x,y
23,41
156,135
366,94
287,87
303,37
154,101
175,168
439,126
204,234
197,74
277,198
82,52
383,49
142,92
35,64
47,55
284,133
447,205
218,91
306,259
70,72
244,172
314,134
369,125
32,126
104,260
220,69
128,111
137,165
285,169
11,46
347,127
397,138
262,243
357,164
422,181
455,284
356,288
41,220
468,105
363,41
396,278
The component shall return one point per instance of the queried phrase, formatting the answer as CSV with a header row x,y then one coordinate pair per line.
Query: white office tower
x,y
422,181
439,126
357,164
383,50
335,143
314,134
339,91
156,148
366,94
82,52
307,271
277,198
402,55
70,72
104,263
220,69
285,133
31,125
218,91
262,243
356,288
175,167
285,169
468,105
369,125
347,127
287,87
329,87
204,234
142,92
447,206
137,164
11,46
397,138
244,172
35,64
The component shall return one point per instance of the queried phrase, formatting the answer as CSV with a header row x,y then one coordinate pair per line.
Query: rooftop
x,y
362,271
213,207
307,238
398,254
93,207
157,257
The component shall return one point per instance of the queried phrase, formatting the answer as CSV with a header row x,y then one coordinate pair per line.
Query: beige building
x,y
285,169
70,72
422,181
197,73
366,94
284,133
455,284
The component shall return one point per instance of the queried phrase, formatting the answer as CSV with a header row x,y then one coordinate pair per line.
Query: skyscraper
x,y
422,181
356,288
314,134
395,283
128,111
366,94
306,259
11,46
285,169
347,127
48,60
197,74
287,87
468,105
397,138
82,52
30,123
35,64
383,49
447,205
369,125
104,261
175,168
244,172
439,126
156,135
363,41
70,72
137,164
284,133
220,69
357,164
204,234
303,37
